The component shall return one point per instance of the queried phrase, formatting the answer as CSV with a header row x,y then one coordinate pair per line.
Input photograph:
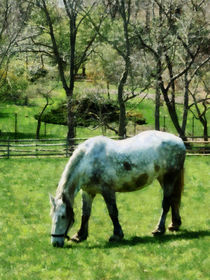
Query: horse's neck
x,y
69,187
72,191
69,182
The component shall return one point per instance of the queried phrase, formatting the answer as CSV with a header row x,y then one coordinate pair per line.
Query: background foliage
x,y
162,47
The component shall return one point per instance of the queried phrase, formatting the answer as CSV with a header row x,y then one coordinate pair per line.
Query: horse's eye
x,y
63,217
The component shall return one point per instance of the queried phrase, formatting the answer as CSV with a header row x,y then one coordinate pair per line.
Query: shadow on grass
x,y
183,234
136,240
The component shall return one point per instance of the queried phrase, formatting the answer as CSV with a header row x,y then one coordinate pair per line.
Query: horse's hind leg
x,y
160,229
172,184
176,201
82,234
167,183
110,200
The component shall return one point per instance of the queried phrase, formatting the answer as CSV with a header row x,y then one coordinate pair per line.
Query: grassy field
x,y
26,252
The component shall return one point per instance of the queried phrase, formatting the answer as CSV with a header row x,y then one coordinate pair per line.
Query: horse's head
x,y
62,219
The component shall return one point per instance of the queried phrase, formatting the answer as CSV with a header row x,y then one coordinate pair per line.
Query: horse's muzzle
x,y
57,243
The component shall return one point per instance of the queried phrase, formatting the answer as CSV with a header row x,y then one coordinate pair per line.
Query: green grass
x,y
26,123
26,252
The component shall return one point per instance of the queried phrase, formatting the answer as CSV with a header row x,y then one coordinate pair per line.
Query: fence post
x,y
15,125
36,150
193,126
8,150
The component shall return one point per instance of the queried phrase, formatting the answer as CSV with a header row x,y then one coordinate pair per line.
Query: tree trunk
x,y
83,71
157,106
204,122
39,121
70,119
108,88
205,130
122,116
173,114
38,128
171,104
186,102
70,91
158,73
126,18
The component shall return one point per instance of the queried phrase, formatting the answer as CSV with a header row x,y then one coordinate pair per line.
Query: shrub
x,y
90,110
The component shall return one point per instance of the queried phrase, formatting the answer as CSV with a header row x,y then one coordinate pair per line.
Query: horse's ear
x,y
52,201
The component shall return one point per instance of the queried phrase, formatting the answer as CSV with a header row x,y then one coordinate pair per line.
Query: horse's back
x,y
150,144
167,149
129,164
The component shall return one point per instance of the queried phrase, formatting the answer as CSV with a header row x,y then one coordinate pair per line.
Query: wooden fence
x,y
36,148
198,147
60,147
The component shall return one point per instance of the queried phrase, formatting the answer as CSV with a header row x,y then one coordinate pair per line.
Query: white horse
x,y
105,166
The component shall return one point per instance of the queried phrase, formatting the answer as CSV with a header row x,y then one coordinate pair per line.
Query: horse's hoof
x,y
77,239
115,238
173,227
158,232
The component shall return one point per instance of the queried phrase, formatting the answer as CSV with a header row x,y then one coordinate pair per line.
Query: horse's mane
x,y
66,182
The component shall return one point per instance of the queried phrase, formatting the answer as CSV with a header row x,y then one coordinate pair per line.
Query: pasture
x,y
26,123
26,252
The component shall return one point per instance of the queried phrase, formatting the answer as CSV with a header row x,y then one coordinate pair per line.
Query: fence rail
x,y
60,147
197,147
34,148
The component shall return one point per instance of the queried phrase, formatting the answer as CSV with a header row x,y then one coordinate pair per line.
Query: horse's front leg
x,y
110,199
82,234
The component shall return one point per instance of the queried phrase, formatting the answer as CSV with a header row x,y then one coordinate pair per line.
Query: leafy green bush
x,y
90,111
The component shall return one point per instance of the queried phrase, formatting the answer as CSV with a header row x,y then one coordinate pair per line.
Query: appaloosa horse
x,y
105,166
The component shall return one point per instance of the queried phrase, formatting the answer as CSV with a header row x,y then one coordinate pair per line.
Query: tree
x,y
39,117
105,66
200,103
167,41
13,17
64,48
119,19
14,84
195,39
